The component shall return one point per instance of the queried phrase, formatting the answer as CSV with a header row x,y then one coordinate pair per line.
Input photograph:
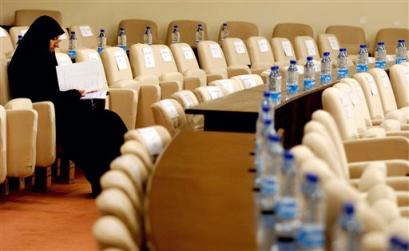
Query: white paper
x,y
62,37
86,31
287,48
227,84
152,140
187,99
102,94
3,33
93,56
215,51
120,60
214,92
262,45
346,105
248,81
239,47
333,42
170,108
188,52
148,57
166,55
63,60
87,75
372,85
385,80
309,44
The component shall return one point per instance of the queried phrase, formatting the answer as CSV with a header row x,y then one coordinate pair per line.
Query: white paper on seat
x,y
309,44
214,92
152,140
347,107
23,32
3,33
102,94
63,60
86,31
62,37
333,43
166,55
215,51
226,84
239,47
385,80
93,56
372,85
187,99
287,48
148,57
262,45
120,60
188,52
87,75
170,108
248,81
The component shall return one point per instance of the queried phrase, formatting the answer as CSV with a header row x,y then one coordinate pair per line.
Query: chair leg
x,y
42,179
64,170
4,189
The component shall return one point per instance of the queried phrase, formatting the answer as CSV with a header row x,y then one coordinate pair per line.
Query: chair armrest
x,y
124,102
46,134
398,183
237,70
148,94
393,168
398,133
126,84
168,88
393,147
191,83
213,77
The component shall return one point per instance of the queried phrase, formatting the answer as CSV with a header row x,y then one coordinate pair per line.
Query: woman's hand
x,y
82,92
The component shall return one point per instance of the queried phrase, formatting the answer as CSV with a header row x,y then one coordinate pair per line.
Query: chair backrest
x,y
187,30
240,29
169,114
4,82
116,65
236,52
185,98
390,37
261,54
135,29
330,43
283,50
167,66
15,31
291,30
27,17
144,63
3,145
187,63
86,36
207,93
90,54
6,46
228,86
306,46
134,168
249,80
399,75
134,147
211,58
350,37
385,89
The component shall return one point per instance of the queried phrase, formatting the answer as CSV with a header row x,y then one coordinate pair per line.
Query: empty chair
x,y
249,81
15,31
27,17
4,81
305,46
330,43
212,60
261,54
134,168
6,46
390,37
186,98
187,30
86,37
240,29
236,52
187,63
349,37
3,145
228,86
399,75
207,93
169,114
283,50
134,147
135,30
291,30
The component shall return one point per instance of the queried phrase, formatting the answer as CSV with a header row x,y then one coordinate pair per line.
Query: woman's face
x,y
54,44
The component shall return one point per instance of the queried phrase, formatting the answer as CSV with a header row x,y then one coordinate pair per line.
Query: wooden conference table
x,y
200,196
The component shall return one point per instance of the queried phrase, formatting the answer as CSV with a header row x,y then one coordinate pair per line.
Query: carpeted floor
x,y
59,220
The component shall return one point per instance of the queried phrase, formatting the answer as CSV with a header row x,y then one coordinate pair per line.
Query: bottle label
x,y
380,64
275,97
342,73
361,68
325,79
400,60
268,186
72,53
287,209
308,84
292,88
311,236
100,50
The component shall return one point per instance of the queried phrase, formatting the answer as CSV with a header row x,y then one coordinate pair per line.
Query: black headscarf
x,y
32,72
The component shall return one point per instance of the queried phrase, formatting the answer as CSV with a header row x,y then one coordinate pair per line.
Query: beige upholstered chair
x,y
119,75
306,46
390,37
249,81
239,29
137,149
6,46
185,98
4,81
187,30
15,31
169,114
228,86
261,54
350,37
86,36
207,93
283,50
187,63
291,30
330,43
27,17
3,144
134,168
236,52
399,75
135,29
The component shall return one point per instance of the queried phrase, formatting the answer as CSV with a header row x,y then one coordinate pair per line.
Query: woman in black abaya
x,y
90,136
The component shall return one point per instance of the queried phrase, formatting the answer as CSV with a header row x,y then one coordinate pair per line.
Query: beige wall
x,y
369,14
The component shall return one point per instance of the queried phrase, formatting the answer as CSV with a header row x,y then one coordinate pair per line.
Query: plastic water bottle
x,y
311,235
362,62
199,33
342,63
348,232
292,79
261,145
326,74
102,40
274,85
175,34
72,51
287,208
147,36
224,33
380,55
122,43
309,74
401,52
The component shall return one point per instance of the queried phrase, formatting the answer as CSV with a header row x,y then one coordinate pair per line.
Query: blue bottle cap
x,y
274,137
274,68
225,24
348,208
268,121
394,241
288,155
199,25
380,43
175,26
311,177
293,62
309,58
102,30
404,245
266,94
121,28
265,108
72,32
362,46
326,54
401,41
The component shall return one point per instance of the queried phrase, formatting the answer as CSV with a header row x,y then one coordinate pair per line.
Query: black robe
x,y
91,137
